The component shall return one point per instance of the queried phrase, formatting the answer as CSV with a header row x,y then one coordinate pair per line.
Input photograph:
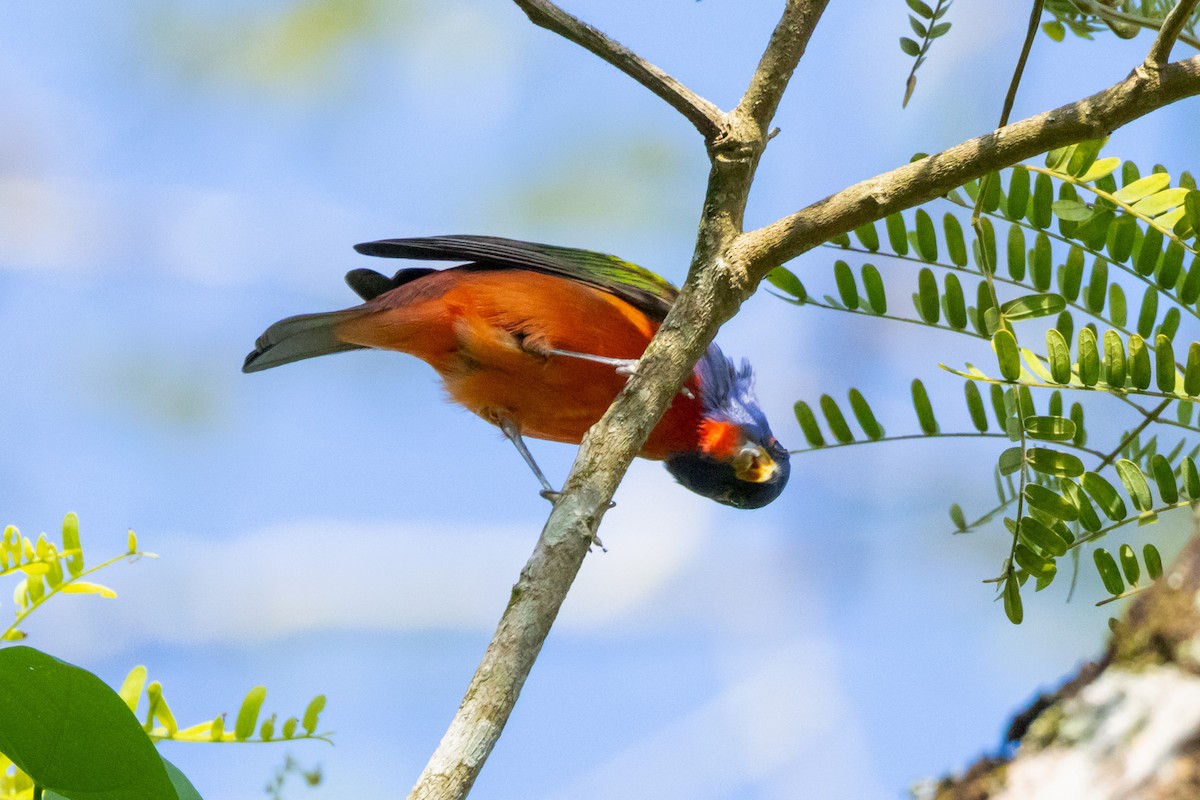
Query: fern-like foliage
x,y
1060,248
927,24
159,721
1125,18
47,569
44,569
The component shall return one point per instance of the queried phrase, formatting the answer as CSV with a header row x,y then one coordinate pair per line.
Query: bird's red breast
x,y
488,332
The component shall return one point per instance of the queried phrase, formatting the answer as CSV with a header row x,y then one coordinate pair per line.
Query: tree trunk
x,y
1126,726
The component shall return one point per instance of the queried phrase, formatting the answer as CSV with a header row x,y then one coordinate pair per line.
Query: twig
x,y
1168,34
920,181
707,118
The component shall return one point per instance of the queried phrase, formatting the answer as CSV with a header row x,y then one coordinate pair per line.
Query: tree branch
x,y
788,43
707,118
714,289
725,269
1168,34
912,184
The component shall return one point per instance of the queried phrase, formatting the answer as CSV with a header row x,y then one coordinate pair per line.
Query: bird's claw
x,y
550,495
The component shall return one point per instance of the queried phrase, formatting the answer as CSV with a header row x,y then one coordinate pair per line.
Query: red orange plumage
x,y
526,336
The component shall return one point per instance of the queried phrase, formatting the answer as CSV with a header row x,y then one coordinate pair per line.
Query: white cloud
x,y
783,726
368,575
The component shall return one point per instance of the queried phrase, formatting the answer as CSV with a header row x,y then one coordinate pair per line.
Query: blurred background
x,y
175,176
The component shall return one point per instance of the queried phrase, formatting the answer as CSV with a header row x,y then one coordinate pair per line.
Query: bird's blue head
x,y
739,462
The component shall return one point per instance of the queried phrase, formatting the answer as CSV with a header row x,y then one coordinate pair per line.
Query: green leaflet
x,y
865,416
1121,237
1005,345
926,299
1043,198
1114,359
1059,354
975,406
1018,194
956,246
787,282
1041,269
1148,313
1143,187
1012,600
247,718
1033,305
1043,537
1054,462
1170,324
1135,484
1087,513
1164,478
1170,267
996,394
1083,155
1097,288
1149,253
1191,478
1129,564
1109,574
1191,372
1016,253
958,518
1032,562
953,303
1070,277
1116,304
924,238
1049,428
847,290
1089,357
897,234
808,424
1105,495
837,422
1071,210
1153,561
1101,169
1010,461
1139,362
1164,364
873,286
1051,502
923,408
867,235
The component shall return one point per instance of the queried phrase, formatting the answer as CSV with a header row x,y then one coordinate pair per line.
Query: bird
x,y
538,340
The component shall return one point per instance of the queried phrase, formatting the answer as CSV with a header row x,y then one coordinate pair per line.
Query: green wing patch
x,y
639,286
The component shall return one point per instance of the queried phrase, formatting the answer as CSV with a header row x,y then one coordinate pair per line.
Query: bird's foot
x,y
551,495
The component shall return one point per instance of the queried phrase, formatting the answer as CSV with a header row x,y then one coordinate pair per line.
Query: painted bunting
x,y
538,340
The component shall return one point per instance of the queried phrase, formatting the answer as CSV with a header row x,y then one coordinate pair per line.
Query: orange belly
x,y
487,332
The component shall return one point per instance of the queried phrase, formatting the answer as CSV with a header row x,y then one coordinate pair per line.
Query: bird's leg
x,y
625,366
513,433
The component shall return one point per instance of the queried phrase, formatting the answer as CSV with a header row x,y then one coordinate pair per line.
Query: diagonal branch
x,y
1168,34
788,43
707,118
912,184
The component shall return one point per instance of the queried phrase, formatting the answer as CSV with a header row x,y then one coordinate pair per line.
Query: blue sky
x,y
176,176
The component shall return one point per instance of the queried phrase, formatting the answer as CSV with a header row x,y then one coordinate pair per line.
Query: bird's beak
x,y
754,465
